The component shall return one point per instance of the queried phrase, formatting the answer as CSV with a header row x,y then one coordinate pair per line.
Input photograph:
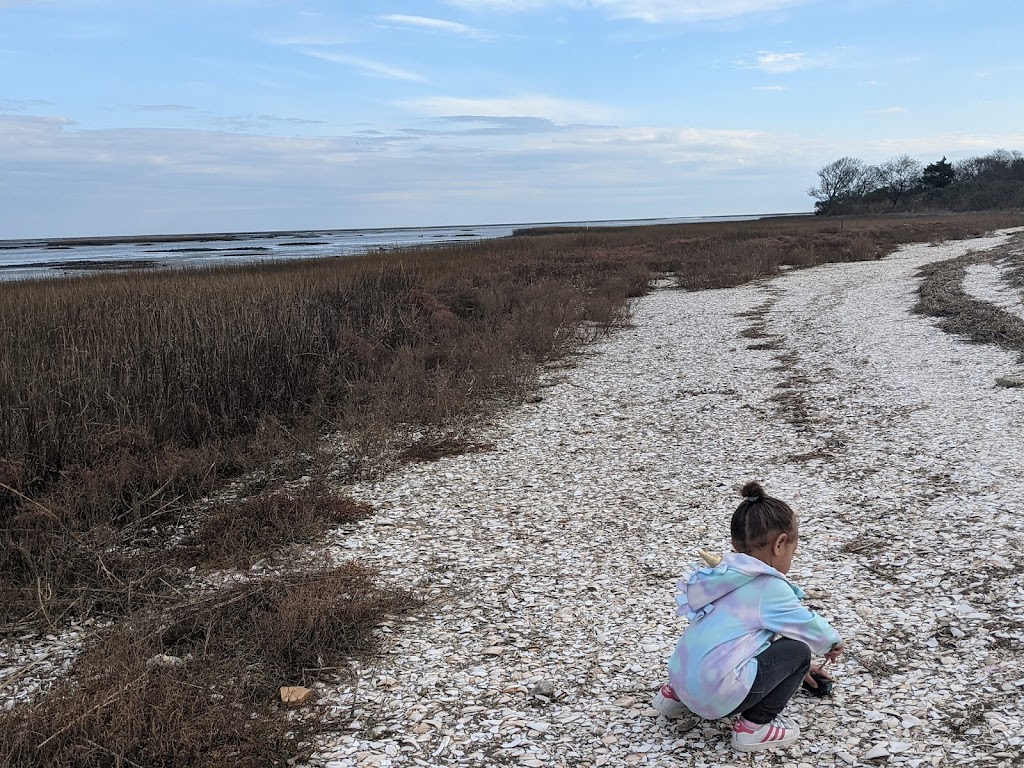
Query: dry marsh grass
x,y
126,397
941,295
236,532
196,683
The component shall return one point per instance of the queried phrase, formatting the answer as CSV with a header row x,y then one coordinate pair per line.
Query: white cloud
x,y
511,6
123,181
954,145
436,25
21,105
366,65
162,107
556,110
73,181
888,111
782,63
308,29
662,11
770,88
650,11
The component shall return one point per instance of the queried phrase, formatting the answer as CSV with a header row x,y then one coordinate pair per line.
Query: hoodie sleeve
x,y
783,613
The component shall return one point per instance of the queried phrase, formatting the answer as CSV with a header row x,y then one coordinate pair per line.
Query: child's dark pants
x,y
780,669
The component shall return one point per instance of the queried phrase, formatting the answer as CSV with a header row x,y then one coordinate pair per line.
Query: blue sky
x,y
137,117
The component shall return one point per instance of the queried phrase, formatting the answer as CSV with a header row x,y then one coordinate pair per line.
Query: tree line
x,y
989,182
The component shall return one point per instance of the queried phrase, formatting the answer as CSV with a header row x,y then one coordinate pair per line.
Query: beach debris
x,y
543,689
295,695
164,660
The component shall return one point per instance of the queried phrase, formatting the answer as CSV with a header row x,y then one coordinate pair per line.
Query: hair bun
x,y
752,491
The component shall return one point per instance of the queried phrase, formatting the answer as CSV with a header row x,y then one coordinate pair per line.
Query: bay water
x,y
50,257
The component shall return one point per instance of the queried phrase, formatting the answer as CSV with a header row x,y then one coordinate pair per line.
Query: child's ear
x,y
780,543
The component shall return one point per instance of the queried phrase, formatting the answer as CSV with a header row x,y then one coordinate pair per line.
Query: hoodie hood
x,y
704,586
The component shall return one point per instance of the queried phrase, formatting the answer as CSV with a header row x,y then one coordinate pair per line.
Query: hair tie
x,y
751,499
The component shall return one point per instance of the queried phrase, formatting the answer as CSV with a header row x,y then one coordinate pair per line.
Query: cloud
x,y
770,88
663,11
71,181
555,110
436,25
782,63
21,105
510,6
366,65
888,111
482,125
308,29
149,180
649,11
257,122
162,107
953,145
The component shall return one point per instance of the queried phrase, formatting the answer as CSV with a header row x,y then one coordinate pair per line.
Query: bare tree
x,y
839,180
897,176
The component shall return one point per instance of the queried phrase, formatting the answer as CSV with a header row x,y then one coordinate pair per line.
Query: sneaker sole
x,y
670,707
766,745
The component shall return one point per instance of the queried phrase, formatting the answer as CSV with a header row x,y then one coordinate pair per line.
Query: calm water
x,y
27,259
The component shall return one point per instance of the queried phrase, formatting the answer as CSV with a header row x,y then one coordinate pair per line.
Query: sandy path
x,y
550,560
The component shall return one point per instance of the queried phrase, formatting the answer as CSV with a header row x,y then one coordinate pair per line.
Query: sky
x,y
126,117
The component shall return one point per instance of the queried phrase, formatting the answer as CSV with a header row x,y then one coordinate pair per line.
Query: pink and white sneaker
x,y
669,705
751,737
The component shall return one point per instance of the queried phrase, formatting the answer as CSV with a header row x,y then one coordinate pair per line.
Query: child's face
x,y
784,551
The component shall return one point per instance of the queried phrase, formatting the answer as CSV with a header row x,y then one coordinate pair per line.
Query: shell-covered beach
x,y
549,561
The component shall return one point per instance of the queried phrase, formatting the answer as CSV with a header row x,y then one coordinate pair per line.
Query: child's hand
x,y
818,682
820,671
836,652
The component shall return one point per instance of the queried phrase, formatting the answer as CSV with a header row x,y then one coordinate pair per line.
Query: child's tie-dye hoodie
x,y
735,610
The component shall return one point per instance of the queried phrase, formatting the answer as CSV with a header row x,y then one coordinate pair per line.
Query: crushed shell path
x,y
549,562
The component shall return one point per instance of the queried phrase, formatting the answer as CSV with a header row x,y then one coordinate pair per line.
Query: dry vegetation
x,y
157,425
178,685
942,296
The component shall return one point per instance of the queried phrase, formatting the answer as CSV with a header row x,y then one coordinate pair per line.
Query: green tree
x,y
938,174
